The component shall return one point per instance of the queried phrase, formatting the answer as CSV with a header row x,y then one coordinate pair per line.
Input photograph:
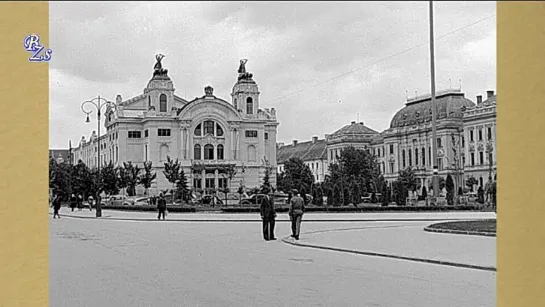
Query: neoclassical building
x,y
220,144
465,140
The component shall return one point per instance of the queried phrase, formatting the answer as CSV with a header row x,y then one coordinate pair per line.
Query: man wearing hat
x,y
297,208
268,215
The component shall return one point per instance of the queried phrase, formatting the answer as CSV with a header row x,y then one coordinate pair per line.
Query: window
x,y
209,152
219,131
481,158
208,127
440,164
251,133
146,152
481,181
410,158
472,159
391,167
135,134
249,106
391,149
403,155
463,161
220,152
197,183
423,156
480,134
489,133
209,183
463,142
236,104
198,131
266,136
251,153
197,152
163,103
146,133
222,183
163,132
163,151
429,155
416,157
149,101
471,136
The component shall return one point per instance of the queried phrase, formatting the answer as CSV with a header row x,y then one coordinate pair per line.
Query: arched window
x,y
149,101
198,130
249,106
236,104
208,127
251,153
163,152
163,103
197,152
219,131
209,152
220,152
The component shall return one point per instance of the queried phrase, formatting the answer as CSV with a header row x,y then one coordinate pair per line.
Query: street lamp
x,y
98,103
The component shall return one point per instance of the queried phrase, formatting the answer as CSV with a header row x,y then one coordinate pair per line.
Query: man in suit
x,y
162,206
297,208
268,215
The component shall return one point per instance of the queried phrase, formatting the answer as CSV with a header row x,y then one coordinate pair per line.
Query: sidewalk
x,y
408,242
282,217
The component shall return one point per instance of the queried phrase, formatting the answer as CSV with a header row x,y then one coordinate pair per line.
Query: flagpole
x,y
433,109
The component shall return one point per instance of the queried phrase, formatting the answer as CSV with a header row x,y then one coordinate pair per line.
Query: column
x,y
216,173
203,179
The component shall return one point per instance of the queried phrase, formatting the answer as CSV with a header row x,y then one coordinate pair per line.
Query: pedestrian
x,y
56,204
90,202
73,202
297,208
80,202
268,215
162,206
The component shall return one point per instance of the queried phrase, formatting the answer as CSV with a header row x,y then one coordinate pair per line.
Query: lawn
x,y
488,226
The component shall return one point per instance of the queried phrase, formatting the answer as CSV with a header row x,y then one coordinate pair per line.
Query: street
x,y
173,263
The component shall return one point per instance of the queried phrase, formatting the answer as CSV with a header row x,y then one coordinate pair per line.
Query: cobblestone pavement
x,y
154,263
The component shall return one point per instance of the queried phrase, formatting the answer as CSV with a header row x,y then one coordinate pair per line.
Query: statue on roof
x,y
242,74
158,69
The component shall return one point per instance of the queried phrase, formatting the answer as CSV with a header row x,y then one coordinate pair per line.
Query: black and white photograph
x,y
272,154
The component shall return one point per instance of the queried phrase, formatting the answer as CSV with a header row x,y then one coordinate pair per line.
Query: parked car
x,y
135,201
114,200
255,199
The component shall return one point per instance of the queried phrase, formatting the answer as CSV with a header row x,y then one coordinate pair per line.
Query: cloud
x,y
108,48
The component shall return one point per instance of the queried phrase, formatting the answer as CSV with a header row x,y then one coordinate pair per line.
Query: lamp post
x,y
98,103
433,109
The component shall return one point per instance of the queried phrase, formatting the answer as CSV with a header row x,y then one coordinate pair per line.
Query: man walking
x,y
73,202
162,206
297,208
56,204
268,215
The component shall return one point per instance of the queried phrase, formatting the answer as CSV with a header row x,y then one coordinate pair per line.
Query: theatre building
x,y
220,144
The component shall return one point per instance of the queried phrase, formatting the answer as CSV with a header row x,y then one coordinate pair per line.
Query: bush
x,y
360,209
171,208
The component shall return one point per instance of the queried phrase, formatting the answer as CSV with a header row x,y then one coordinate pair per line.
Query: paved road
x,y
150,263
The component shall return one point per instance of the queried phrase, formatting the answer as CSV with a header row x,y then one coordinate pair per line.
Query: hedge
x,y
148,208
361,209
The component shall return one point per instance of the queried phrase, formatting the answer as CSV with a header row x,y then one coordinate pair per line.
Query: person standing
x,y
162,206
268,215
90,202
297,208
56,204
73,202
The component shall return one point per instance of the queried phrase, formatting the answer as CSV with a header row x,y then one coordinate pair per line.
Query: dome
x,y
355,132
450,104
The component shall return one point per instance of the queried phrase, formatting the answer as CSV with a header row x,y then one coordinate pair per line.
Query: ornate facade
x,y
220,144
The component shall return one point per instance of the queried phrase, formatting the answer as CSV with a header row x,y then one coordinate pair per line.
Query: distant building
x,y
208,135
60,155
313,154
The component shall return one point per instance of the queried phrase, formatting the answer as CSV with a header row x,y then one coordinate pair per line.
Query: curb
x,y
108,217
430,261
460,232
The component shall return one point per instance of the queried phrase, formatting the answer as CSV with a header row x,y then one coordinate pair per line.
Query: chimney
x,y
479,99
294,142
489,94
280,144
314,139
361,123
353,123
118,99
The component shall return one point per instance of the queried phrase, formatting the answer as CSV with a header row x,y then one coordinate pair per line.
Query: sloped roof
x,y
353,129
133,113
306,151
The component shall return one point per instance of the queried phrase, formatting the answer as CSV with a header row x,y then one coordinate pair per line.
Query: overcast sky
x,y
318,63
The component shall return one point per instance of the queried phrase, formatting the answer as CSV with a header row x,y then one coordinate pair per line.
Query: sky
x,y
320,64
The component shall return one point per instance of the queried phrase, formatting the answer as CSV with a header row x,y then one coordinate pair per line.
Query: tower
x,y
245,93
160,89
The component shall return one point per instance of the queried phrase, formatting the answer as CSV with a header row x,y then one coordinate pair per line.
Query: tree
x,y
82,180
132,173
450,190
60,178
266,178
329,202
147,178
470,182
181,185
172,172
385,195
480,195
109,179
408,178
122,178
400,192
297,175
